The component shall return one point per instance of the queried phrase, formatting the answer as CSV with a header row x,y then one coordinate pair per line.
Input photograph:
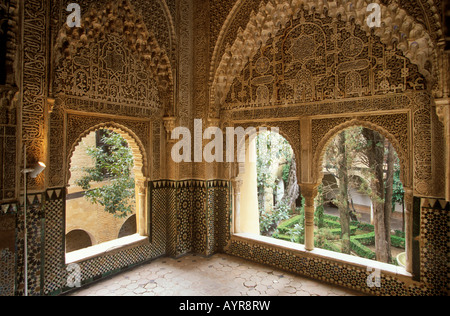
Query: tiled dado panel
x,y
8,213
435,250
198,215
34,241
185,216
56,271
434,259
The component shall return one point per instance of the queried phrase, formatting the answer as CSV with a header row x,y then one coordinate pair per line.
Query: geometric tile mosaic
x,y
435,221
195,217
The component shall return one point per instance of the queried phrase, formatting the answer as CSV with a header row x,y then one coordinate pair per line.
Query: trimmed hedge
x,y
398,242
287,225
366,239
297,239
331,247
331,224
338,231
361,250
365,226
358,243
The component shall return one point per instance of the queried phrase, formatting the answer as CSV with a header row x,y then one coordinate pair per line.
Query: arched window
x,y
269,192
360,206
103,193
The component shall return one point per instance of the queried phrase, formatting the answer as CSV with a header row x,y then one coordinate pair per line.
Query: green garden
x,y
328,235
359,204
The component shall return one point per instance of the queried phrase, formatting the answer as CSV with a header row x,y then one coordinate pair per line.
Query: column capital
x,y
237,184
309,191
169,125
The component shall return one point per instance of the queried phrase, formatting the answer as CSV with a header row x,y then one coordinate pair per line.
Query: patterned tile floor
x,y
220,275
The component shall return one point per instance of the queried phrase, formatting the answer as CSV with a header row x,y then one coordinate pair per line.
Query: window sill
x,y
328,255
106,248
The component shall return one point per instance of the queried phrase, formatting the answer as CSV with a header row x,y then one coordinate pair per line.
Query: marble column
x,y
309,192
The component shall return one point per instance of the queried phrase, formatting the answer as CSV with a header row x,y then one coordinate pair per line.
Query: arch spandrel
x,y
411,38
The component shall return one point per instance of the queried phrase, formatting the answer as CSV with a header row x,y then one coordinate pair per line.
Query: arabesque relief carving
x,y
409,37
316,59
114,44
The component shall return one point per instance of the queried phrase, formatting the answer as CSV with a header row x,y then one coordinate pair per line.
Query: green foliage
x,y
399,191
331,246
319,214
398,242
365,239
287,225
292,229
361,250
338,231
298,233
268,220
271,149
322,236
114,163
287,170
328,238
331,223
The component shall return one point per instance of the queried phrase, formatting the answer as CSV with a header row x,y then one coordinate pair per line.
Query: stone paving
x,y
220,275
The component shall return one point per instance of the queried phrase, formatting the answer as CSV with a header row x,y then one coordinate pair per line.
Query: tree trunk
x,y
375,157
292,191
388,204
344,209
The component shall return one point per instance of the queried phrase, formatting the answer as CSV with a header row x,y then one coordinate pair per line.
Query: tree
x,y
375,150
342,196
342,157
363,160
113,165
389,205
272,148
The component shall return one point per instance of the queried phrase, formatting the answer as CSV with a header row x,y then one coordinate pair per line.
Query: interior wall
x,y
189,204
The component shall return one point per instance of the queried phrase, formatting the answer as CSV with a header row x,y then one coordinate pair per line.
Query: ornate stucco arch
x,y
319,151
136,146
284,129
141,168
397,27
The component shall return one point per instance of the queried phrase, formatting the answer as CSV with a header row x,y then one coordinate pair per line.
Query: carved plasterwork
x,y
305,65
9,20
108,73
443,113
34,89
8,104
114,69
80,127
415,43
290,130
118,41
316,59
393,127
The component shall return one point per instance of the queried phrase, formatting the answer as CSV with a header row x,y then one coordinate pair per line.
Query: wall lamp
x,y
36,171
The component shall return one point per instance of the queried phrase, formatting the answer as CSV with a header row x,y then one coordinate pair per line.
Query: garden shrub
x,y
330,246
398,242
287,225
331,223
361,250
338,231
366,239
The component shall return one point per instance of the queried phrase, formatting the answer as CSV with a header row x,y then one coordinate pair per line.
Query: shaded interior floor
x,y
219,275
